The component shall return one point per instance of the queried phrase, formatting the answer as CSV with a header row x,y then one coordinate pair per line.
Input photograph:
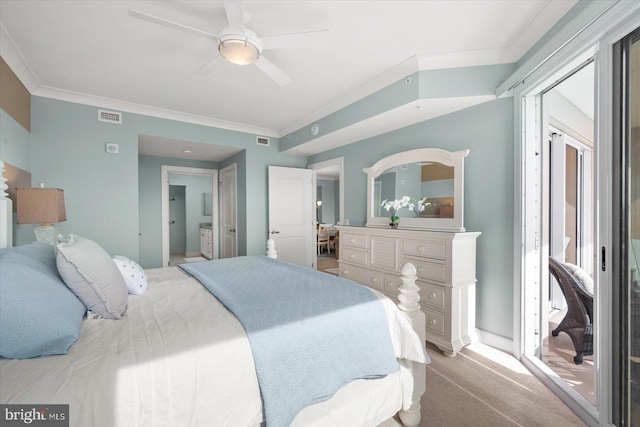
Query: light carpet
x,y
483,386
333,270
195,259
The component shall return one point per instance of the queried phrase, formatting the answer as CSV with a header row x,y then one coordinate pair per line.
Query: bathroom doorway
x,y
201,210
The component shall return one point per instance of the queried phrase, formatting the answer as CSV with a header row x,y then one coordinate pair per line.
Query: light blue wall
x,y
15,142
427,84
15,149
101,190
487,130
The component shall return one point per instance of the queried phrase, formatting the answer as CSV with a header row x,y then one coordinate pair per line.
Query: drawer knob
x,y
420,269
432,322
352,240
345,271
374,280
352,256
432,295
420,248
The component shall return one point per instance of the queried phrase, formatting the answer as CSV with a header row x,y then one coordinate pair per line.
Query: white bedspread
x,y
165,365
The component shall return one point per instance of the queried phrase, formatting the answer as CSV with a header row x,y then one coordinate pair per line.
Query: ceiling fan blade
x,y
272,71
296,40
170,24
235,12
207,68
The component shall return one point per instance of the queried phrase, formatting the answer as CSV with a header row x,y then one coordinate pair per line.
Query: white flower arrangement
x,y
416,206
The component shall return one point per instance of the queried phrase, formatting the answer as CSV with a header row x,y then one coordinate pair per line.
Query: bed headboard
x,y
6,211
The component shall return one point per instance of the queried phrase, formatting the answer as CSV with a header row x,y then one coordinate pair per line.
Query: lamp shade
x,y
40,205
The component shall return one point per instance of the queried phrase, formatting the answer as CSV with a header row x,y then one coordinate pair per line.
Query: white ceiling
x,y
93,52
176,148
580,89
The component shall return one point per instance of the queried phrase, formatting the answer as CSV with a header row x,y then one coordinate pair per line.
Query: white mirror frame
x,y
447,158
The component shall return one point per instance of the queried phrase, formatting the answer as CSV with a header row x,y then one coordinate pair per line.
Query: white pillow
x,y
134,276
90,273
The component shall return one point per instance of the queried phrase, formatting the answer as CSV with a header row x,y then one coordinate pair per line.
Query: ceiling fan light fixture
x,y
239,50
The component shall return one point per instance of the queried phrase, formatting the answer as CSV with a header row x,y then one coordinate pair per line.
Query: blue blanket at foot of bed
x,y
310,332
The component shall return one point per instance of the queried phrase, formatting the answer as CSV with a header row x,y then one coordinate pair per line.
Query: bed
x,y
177,356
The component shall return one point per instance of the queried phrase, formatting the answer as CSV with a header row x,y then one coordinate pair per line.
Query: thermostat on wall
x,y
111,148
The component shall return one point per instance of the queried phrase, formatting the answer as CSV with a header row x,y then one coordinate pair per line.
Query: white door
x,y
291,219
228,217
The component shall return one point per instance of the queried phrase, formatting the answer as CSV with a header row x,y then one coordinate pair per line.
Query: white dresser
x,y
446,269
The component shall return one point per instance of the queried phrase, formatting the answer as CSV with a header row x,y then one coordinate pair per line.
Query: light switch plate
x,y
111,148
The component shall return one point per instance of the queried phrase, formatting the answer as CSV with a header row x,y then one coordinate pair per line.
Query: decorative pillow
x,y
581,275
92,275
39,315
134,276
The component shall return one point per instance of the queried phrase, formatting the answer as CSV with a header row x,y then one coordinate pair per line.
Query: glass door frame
x,y
621,226
596,40
536,222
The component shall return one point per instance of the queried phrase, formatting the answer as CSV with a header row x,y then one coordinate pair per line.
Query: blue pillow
x,y
39,315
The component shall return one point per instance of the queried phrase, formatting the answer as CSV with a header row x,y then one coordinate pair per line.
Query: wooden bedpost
x,y
409,297
271,249
6,212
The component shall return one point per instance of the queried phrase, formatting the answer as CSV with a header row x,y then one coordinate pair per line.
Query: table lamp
x,y
44,206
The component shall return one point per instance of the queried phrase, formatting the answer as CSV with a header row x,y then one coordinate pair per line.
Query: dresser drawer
x,y
429,270
390,286
424,248
435,323
370,278
432,295
356,256
354,240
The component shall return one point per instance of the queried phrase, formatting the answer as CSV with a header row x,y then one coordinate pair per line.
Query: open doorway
x,y
177,224
568,321
189,214
329,213
560,281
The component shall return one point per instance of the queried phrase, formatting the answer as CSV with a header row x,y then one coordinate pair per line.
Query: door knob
x,y
233,230
275,232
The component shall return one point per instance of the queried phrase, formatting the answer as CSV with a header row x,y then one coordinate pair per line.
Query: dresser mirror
x,y
430,180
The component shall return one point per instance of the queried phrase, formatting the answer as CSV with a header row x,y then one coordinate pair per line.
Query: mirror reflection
x,y
430,181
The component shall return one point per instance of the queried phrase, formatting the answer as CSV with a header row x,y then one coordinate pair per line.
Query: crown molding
x,y
146,110
416,63
14,59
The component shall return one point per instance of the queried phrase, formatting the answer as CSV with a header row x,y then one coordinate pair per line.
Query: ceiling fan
x,y
239,45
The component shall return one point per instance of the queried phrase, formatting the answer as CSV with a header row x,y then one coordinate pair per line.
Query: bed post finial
x,y
271,249
6,212
409,297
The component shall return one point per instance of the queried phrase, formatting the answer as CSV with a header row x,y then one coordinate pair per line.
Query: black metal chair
x,y
577,323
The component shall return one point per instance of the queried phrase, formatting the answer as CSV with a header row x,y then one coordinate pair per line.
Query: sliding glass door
x,y
626,256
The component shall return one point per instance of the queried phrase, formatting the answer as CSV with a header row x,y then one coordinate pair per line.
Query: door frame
x,y
338,161
165,171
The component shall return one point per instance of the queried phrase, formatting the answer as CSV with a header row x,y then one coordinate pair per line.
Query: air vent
x,y
263,140
110,116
